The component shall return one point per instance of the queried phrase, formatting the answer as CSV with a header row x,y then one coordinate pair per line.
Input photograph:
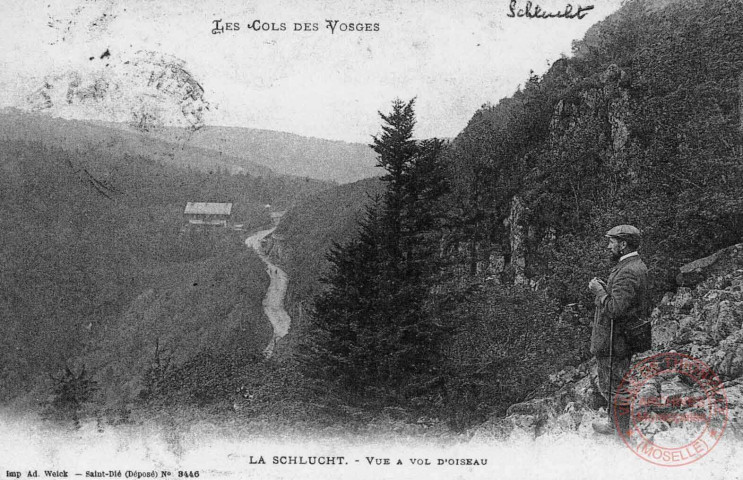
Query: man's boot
x,y
624,422
604,427
609,427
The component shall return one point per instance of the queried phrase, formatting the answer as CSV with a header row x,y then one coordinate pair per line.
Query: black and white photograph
x,y
414,239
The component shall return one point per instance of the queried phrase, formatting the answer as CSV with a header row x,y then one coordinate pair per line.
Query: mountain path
x,y
273,303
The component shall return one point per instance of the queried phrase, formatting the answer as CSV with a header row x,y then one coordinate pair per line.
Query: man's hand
x,y
596,286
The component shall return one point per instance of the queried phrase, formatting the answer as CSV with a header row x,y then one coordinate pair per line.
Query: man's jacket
x,y
626,301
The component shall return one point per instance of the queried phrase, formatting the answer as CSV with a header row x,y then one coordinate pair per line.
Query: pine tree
x,y
376,332
342,313
396,150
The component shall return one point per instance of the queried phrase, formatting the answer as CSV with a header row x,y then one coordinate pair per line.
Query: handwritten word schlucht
x,y
531,10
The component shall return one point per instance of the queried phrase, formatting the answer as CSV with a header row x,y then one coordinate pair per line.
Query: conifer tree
x,y
375,331
342,313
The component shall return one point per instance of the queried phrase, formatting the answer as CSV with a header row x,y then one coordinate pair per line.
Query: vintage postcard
x,y
371,239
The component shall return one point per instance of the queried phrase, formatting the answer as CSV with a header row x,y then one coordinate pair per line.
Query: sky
x,y
104,59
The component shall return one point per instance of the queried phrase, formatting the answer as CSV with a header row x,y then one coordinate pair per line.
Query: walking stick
x,y
612,413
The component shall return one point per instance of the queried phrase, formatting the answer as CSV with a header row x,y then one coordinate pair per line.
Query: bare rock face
x,y
703,319
518,241
617,98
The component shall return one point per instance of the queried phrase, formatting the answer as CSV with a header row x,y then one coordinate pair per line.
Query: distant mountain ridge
x,y
282,152
89,135
261,153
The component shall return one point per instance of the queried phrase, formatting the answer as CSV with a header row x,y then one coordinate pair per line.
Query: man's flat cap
x,y
624,231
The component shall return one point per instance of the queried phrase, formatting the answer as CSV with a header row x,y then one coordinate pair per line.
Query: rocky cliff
x,y
590,122
701,319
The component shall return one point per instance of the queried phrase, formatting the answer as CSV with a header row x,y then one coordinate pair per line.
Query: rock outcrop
x,y
518,240
703,322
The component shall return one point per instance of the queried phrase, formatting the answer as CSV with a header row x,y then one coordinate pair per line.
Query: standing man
x,y
622,308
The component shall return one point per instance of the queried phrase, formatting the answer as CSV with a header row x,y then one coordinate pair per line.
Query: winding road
x,y
273,303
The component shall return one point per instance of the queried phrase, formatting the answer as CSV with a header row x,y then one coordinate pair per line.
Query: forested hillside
x,y
313,225
97,271
641,125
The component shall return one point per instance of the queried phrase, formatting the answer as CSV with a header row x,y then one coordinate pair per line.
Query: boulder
x,y
664,333
727,360
683,301
723,318
503,428
723,261
734,395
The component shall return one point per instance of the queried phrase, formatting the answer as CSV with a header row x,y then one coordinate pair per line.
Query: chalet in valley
x,y
207,214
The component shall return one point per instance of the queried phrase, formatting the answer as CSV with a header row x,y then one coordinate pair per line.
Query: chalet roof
x,y
206,208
